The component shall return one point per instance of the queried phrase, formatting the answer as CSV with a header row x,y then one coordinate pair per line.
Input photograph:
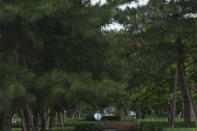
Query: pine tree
x,y
167,28
45,35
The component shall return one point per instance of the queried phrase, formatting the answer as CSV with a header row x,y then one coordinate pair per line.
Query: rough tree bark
x,y
62,119
35,119
65,115
187,109
48,119
56,118
7,116
173,110
42,120
23,121
29,111
189,95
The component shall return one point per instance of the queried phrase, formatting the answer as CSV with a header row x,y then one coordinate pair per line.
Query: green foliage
x,y
88,126
152,31
52,56
55,55
69,128
179,129
159,125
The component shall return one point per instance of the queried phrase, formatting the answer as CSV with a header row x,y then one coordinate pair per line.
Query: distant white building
x,y
109,111
132,113
190,15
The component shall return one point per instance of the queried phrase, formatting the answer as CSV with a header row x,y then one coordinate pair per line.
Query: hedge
x,y
69,128
79,125
179,129
105,118
86,125
159,126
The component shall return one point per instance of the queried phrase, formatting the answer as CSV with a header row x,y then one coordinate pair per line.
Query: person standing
x,y
97,116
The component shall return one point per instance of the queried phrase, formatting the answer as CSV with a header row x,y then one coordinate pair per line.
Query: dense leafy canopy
x,y
55,57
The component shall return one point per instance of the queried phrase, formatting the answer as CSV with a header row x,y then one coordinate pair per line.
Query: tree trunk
x,y
62,119
65,115
7,116
48,119
189,95
128,112
187,109
23,121
122,112
56,118
173,110
193,115
137,112
29,111
35,120
42,121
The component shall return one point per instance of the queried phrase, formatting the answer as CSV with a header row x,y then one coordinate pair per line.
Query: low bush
x,y
111,118
179,129
159,126
105,118
16,129
18,124
79,125
90,118
69,128
86,125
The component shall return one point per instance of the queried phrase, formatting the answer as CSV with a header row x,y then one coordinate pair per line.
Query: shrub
x,y
16,129
69,128
104,118
86,125
159,125
18,124
179,129
111,118
90,118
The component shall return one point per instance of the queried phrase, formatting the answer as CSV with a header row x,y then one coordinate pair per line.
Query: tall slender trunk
x,y
29,111
56,118
65,115
6,119
128,112
187,110
48,119
42,121
173,110
122,112
23,121
189,95
62,119
193,115
35,120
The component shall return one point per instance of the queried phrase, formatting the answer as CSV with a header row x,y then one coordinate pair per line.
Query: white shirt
x,y
97,116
